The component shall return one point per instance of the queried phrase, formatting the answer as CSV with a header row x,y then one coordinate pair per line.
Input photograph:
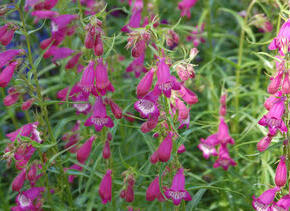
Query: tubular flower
x,y
29,199
84,151
264,201
105,188
281,173
223,133
7,56
7,73
7,33
185,6
224,160
88,77
207,146
153,191
177,190
165,148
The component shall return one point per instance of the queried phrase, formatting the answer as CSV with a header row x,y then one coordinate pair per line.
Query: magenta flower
x,y
207,146
264,201
107,150
181,149
275,83
270,101
223,133
273,119
150,124
282,205
183,111
281,173
166,82
135,19
165,148
7,56
84,151
99,118
58,53
177,190
286,84
19,181
73,61
7,33
145,84
264,143
82,108
29,199
185,6
147,106
7,73
116,110
27,104
43,14
103,84
88,77
187,95
224,160
73,167
105,188
137,66
153,191
282,41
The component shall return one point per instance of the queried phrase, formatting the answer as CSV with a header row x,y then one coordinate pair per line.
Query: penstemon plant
x,y
103,104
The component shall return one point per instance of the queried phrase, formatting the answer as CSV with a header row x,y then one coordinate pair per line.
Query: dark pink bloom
x,y
223,133
172,39
286,84
282,205
7,73
99,118
58,53
135,19
116,110
165,148
149,125
177,190
187,95
264,201
224,160
264,143
103,84
185,6
32,174
181,149
44,5
282,40
29,199
7,56
273,119
28,130
87,81
137,66
11,99
19,181
84,151
27,104
7,33
281,173
147,106
207,146
154,157
81,108
197,35
153,191
145,84
106,150
62,21
73,61
185,72
105,188
166,82
129,194
270,101
43,14
275,83
73,167
183,111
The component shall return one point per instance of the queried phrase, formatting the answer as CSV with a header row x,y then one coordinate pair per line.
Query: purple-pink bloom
x,y
224,160
105,188
185,6
99,118
153,191
281,173
207,146
43,14
223,133
7,73
137,65
282,205
165,148
58,53
145,84
177,190
84,151
29,199
263,202
135,19
7,56
87,81
264,143
7,33
19,181
273,119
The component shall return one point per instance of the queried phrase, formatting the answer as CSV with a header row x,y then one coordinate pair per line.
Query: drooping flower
x,y
7,56
264,143
7,73
181,149
29,199
19,181
88,77
116,110
44,14
137,65
224,160
281,173
135,19
275,83
263,202
7,33
58,53
153,191
27,104
105,188
270,101
282,205
145,84
223,133
207,146
73,61
106,150
273,119
177,190
84,151
187,95
185,6
99,118
165,148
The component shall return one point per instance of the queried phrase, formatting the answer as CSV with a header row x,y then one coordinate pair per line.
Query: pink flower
x,y
137,66
286,84
7,56
270,101
223,133
185,6
282,205
165,148
7,73
99,118
105,188
273,119
58,53
73,167
282,40
153,191
264,201
181,149
145,84
106,150
19,181
177,191
136,16
103,84
150,124
43,14
84,151
187,95
275,83
27,104
29,199
88,77
281,173
73,61
264,143
116,110
224,160
7,33
165,82
207,146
